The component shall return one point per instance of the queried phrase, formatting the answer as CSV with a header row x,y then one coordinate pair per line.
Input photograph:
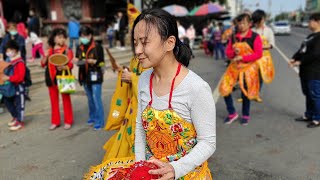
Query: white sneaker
x,y
12,122
16,126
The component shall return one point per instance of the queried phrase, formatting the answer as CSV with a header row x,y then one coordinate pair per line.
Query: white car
x,y
305,24
281,27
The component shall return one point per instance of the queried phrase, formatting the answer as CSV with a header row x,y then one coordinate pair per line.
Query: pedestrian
x,y
15,74
90,58
21,27
191,34
174,103
121,27
37,45
243,50
217,41
265,63
110,35
73,29
13,35
57,45
308,59
181,31
33,22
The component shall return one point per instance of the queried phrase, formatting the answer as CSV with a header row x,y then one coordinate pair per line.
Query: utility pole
x,y
269,7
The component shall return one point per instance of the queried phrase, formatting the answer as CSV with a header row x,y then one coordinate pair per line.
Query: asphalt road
x,y
272,146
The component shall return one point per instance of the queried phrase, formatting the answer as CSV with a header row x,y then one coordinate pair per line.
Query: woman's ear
x,y
170,43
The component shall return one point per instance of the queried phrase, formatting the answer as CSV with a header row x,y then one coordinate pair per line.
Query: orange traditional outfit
x,y
266,64
246,73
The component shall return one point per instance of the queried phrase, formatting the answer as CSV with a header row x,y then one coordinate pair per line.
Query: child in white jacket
x,y
37,45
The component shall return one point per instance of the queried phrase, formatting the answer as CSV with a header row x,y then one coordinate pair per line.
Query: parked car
x,y
281,27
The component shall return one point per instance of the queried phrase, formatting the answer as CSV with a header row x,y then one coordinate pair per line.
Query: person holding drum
x,y
57,44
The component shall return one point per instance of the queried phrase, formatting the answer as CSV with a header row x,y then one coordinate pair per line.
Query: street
x,y
272,147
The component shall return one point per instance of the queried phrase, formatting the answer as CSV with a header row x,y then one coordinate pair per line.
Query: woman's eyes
x,y
142,42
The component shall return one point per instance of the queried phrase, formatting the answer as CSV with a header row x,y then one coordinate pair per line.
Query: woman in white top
x,y
267,71
176,119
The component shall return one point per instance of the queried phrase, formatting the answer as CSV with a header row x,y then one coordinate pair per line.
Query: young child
x,y
57,43
15,74
37,45
110,34
14,35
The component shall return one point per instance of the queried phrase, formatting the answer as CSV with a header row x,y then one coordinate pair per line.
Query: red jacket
x,y
257,47
19,72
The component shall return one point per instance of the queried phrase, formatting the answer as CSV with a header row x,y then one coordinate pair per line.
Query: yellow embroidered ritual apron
x,y
169,137
246,73
266,64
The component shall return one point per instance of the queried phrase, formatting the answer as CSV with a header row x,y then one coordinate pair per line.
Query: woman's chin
x,y
145,65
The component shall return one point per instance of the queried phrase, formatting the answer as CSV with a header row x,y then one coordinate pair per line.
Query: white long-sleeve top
x,y
34,38
266,32
192,100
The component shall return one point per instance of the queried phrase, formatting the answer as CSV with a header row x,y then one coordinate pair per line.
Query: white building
x,y
234,7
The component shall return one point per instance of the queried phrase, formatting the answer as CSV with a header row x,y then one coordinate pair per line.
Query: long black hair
x,y
54,33
166,25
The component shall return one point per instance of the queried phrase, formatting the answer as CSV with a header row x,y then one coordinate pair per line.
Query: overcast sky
x,y
276,5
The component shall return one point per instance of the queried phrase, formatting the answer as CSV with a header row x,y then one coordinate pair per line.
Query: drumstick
x,y
114,64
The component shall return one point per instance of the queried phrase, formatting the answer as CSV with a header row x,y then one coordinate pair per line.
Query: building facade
x,y
312,6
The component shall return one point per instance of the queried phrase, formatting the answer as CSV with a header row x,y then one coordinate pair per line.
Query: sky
x,y
277,6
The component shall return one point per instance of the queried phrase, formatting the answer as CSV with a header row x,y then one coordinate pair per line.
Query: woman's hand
x,y
75,60
60,68
237,58
293,63
92,61
5,78
166,170
126,76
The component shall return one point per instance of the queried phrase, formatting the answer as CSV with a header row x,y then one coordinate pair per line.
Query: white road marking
x,y
216,93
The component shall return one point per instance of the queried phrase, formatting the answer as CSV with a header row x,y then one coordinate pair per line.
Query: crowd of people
x,y
164,112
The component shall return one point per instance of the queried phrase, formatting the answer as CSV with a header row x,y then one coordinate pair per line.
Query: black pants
x,y
121,37
16,104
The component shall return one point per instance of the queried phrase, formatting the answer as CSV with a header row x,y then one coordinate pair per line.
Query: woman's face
x,y
149,47
244,25
60,40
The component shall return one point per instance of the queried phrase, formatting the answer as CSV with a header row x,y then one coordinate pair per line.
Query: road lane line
x,y
216,93
286,58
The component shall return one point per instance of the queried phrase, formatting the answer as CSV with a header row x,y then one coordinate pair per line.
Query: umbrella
x,y
176,10
205,9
